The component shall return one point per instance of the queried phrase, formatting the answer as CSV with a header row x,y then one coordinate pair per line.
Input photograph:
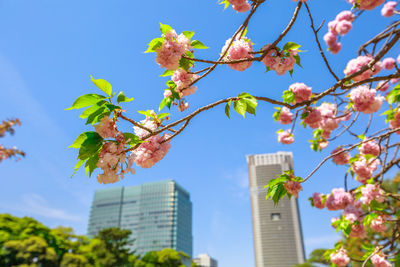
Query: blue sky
x,y
48,49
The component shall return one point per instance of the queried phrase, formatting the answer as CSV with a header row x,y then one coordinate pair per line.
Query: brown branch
x,y
319,44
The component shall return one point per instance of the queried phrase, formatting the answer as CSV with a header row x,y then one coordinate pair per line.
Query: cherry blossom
x,y
341,158
106,128
293,187
357,64
340,258
366,4
240,49
338,199
285,116
301,92
364,168
240,5
318,201
380,261
365,99
388,9
285,137
172,49
370,192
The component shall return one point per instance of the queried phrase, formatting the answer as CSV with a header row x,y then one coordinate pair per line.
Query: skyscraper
x,y
277,232
159,214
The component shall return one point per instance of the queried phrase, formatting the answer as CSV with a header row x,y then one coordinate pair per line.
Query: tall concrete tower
x,y
277,235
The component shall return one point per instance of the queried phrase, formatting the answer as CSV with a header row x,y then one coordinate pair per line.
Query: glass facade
x,y
159,215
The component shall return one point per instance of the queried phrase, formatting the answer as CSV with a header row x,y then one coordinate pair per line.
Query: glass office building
x,y
159,214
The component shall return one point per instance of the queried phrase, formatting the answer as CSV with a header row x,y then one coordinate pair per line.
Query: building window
x,y
275,216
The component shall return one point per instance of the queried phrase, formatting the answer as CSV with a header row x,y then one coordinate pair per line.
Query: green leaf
x,y
77,166
167,73
82,137
291,72
103,85
186,63
291,46
122,98
375,205
90,146
251,102
87,112
147,113
164,28
297,57
394,95
132,139
97,115
155,44
288,96
240,106
228,108
86,100
91,164
197,44
162,115
112,107
226,3
188,34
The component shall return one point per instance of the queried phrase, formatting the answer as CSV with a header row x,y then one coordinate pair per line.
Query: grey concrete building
x,y
204,260
277,234
159,214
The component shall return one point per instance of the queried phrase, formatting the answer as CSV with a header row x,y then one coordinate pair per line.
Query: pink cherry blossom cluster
x,y
353,212
301,92
285,116
293,187
279,62
240,5
338,199
106,128
380,261
153,149
318,200
172,49
395,122
340,258
356,64
371,147
111,159
371,192
342,158
285,137
183,79
364,168
324,118
340,26
366,4
147,123
365,99
239,49
389,8
388,63
378,224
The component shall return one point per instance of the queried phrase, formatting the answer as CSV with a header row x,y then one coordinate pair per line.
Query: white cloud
x,y
34,204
